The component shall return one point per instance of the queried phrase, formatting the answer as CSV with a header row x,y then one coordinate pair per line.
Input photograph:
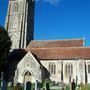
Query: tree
x,y
5,44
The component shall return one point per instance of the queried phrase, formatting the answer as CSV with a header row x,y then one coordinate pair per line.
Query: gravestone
x,y
37,85
3,82
3,85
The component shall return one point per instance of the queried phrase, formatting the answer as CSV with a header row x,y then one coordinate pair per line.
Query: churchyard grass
x,y
85,87
80,87
9,88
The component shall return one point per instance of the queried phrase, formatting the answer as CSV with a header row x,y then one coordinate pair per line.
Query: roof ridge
x,y
60,48
60,39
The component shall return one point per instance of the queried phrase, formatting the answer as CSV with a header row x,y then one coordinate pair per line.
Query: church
x,y
38,60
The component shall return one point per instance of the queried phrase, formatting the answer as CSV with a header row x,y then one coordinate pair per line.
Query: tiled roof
x,y
61,53
56,43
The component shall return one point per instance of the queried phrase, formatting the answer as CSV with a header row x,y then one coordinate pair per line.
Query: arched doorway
x,y
27,77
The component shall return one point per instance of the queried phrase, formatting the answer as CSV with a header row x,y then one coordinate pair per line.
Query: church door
x,y
27,77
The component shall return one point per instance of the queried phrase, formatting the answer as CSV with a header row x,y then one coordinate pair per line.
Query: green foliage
x,y
5,44
67,87
17,88
47,86
85,87
9,88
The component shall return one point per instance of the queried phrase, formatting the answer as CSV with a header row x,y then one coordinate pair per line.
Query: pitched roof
x,y
61,53
56,43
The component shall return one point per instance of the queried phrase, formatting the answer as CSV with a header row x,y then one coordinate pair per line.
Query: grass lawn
x,y
82,87
9,88
85,87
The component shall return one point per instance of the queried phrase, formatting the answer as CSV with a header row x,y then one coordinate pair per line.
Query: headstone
x,y
3,85
18,86
63,86
37,85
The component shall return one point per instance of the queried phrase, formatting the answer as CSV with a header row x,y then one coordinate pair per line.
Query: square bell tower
x,y
20,22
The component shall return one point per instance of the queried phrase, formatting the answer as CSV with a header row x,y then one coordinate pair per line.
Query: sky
x,y
58,19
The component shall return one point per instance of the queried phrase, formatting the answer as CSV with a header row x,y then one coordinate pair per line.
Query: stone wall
x,y
30,64
20,22
88,71
78,70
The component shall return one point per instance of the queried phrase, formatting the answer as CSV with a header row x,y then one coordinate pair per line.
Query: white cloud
x,y
53,2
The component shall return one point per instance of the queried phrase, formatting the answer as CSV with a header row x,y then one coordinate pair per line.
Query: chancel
x,y
32,60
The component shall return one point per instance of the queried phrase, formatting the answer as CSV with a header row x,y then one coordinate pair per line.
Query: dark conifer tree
x,y
5,44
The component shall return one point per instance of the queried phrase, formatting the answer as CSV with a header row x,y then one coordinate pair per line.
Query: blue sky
x,y
63,19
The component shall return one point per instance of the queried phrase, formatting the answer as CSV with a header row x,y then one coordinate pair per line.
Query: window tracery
x,y
14,7
68,69
52,68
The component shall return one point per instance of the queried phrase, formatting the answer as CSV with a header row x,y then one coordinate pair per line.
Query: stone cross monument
x,y
20,22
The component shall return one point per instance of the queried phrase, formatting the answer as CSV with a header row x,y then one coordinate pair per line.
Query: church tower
x,y
20,22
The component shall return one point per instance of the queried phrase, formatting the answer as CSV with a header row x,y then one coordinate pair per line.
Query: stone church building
x,y
31,60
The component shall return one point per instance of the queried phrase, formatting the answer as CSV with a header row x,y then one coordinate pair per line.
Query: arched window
x,y
71,69
88,68
28,73
52,68
68,69
14,7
